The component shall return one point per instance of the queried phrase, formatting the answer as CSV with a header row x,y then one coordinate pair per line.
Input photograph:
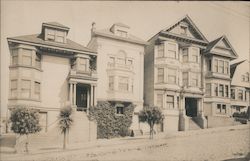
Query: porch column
x,y
95,100
91,95
74,94
88,102
70,93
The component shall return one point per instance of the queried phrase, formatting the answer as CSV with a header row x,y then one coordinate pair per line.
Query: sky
x,y
145,19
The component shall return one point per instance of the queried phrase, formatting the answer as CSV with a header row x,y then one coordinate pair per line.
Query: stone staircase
x,y
193,125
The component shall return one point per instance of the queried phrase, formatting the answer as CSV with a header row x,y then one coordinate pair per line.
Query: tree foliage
x,y
65,122
24,121
110,124
151,115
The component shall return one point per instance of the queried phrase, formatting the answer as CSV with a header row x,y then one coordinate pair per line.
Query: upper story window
x,y
194,79
185,54
161,51
26,57
26,89
14,57
172,50
13,88
170,101
56,35
38,61
111,83
221,90
246,77
160,75
233,93
209,65
185,78
37,90
195,55
221,66
83,64
123,84
240,94
172,76
208,89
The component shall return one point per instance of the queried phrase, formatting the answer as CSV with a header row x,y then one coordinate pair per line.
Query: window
x,y
226,91
120,110
51,35
172,76
132,85
221,90
13,88
129,62
123,83
233,93
83,64
111,83
37,90
26,89
247,77
195,55
26,57
183,30
221,109
185,78
216,89
38,61
59,36
161,51
195,79
160,100
170,101
209,65
221,66
160,75
240,94
172,51
216,65
226,67
208,89
14,57
185,54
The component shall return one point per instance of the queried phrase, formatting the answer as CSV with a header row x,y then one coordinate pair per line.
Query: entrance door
x,y
81,97
191,107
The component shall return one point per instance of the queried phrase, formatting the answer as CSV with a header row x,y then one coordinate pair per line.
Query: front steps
x,y
193,125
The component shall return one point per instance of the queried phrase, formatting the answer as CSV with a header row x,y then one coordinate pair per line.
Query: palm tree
x,y
65,122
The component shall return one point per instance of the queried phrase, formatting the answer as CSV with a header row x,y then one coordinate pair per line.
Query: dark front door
x,y
81,97
191,107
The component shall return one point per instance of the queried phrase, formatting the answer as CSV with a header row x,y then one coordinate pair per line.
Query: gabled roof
x,y
37,40
215,42
109,34
188,20
55,24
233,68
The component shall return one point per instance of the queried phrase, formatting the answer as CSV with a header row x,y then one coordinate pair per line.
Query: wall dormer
x,y
55,32
120,29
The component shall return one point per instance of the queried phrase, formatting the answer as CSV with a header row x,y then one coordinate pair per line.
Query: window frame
x,y
25,89
170,104
160,75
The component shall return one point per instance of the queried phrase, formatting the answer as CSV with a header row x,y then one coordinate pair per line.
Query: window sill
x,y
25,66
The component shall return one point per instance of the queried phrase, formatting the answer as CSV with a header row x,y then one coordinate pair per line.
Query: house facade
x,y
120,67
49,71
240,86
189,77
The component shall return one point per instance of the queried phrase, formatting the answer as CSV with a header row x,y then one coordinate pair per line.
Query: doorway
x,y
191,107
81,97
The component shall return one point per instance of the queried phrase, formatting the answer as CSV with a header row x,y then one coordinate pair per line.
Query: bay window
x,y
185,78
13,88
216,89
37,90
226,91
172,50
185,54
14,57
221,66
240,94
82,66
27,57
208,89
221,90
159,100
195,79
195,55
123,84
111,83
233,93
160,51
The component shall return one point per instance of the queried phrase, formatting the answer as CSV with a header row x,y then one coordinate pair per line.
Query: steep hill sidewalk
x,y
103,146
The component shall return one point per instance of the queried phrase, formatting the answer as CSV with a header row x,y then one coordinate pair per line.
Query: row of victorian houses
x,y
178,70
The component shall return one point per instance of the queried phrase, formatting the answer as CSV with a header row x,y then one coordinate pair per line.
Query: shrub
x,y
24,122
110,124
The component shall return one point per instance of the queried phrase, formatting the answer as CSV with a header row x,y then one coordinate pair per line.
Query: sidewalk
x,y
108,146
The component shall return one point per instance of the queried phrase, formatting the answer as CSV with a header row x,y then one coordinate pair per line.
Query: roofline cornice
x,y
51,46
215,53
96,33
